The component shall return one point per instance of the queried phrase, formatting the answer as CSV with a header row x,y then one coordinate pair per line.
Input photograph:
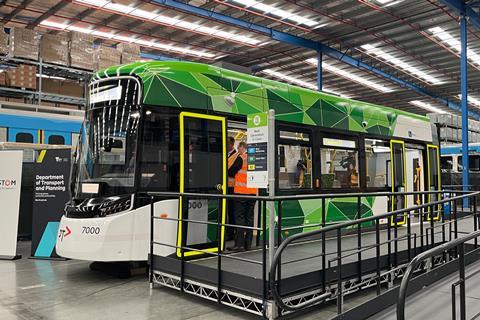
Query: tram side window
x,y
24,137
56,139
339,160
446,164
377,154
295,160
160,159
473,162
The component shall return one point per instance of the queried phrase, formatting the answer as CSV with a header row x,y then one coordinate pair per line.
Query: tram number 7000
x,y
90,230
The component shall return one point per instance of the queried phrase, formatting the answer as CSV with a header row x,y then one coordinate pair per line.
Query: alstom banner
x,y
10,185
52,175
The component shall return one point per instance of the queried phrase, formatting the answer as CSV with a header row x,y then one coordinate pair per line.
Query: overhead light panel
x,y
350,76
426,106
154,17
151,42
471,100
387,3
276,12
305,84
455,44
388,58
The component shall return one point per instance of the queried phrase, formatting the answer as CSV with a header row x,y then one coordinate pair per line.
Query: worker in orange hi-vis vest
x,y
232,157
243,208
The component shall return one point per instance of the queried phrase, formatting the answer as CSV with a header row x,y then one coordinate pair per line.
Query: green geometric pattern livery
x,y
309,212
199,86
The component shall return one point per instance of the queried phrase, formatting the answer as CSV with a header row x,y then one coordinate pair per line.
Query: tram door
x,y
433,178
399,181
202,170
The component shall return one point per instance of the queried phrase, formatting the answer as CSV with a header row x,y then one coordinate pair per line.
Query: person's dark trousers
x,y
230,231
244,211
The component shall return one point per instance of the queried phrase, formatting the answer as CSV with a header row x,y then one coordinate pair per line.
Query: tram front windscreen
x,y
106,164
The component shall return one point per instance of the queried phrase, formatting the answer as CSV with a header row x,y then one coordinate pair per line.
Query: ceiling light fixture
x,y
388,58
151,43
276,12
455,44
305,84
351,76
157,18
426,106
471,100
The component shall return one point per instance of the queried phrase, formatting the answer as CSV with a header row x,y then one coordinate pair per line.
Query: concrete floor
x,y
435,301
40,289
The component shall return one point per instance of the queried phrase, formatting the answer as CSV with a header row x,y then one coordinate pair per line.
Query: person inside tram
x,y
232,155
243,208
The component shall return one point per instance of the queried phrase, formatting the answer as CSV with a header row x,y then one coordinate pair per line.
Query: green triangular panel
x,y
187,97
223,82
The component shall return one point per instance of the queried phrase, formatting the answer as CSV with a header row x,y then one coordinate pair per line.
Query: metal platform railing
x,y
334,268
459,246
431,232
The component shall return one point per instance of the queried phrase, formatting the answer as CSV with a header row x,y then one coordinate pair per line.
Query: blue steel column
x,y
464,105
319,71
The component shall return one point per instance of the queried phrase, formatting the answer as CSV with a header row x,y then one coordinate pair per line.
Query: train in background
x,y
451,164
31,128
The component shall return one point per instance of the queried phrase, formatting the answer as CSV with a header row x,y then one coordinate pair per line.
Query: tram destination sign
x,y
257,141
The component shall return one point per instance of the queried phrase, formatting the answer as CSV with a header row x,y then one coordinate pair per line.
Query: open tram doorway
x,y
415,172
202,170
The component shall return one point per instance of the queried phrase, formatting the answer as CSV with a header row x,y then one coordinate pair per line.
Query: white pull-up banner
x,y
10,185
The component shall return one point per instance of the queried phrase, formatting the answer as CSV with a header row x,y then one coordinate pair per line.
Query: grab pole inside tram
x,y
271,194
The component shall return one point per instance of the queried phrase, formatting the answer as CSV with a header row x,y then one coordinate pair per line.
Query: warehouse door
x,y
202,170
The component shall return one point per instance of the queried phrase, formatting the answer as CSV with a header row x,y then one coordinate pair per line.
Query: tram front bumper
x,y
108,239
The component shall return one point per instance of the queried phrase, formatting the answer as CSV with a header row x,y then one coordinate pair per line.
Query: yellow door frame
x,y
429,147
392,143
182,117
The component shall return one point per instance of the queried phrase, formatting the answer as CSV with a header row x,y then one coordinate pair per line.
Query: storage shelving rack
x,y
49,70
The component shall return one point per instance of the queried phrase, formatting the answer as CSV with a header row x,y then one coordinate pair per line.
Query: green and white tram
x,y
162,126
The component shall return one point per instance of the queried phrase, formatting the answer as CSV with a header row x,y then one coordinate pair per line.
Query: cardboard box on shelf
x,y
81,51
3,78
130,57
51,85
106,57
54,49
71,88
62,87
3,41
24,43
23,76
129,48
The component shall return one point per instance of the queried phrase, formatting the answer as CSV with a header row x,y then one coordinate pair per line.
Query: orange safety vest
x,y
231,161
240,186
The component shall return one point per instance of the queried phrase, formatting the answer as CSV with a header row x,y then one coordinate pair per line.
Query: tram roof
x,y
207,87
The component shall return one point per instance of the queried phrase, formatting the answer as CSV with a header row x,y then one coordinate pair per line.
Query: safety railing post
x,y
182,251
461,273
389,249
409,235
279,241
395,242
475,220
359,239
264,257
377,255
339,272
150,258
324,254
220,213
422,212
432,233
